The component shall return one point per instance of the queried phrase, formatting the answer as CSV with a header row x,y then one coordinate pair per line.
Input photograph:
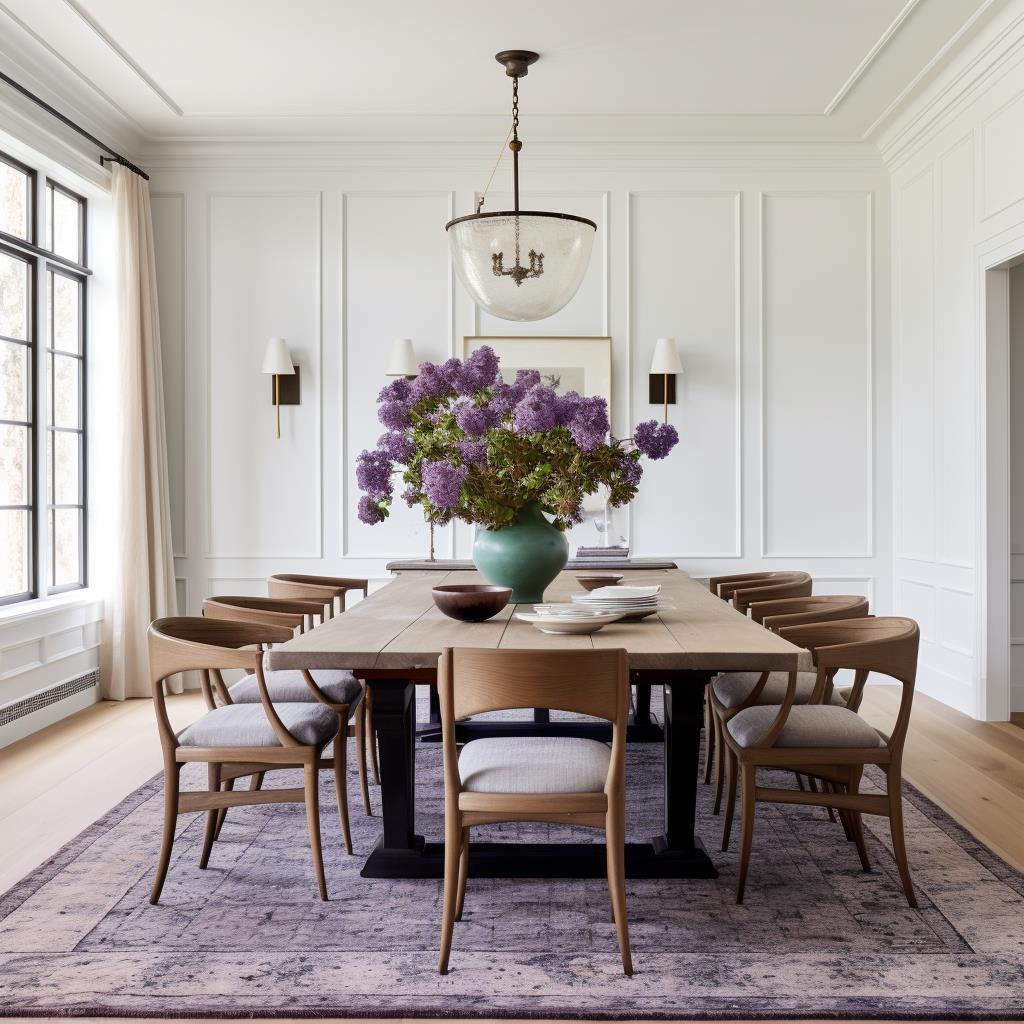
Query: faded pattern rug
x,y
816,937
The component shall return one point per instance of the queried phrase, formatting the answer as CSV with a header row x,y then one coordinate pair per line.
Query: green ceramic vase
x,y
525,556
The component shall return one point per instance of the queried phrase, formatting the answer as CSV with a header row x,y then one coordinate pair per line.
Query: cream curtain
x,y
136,563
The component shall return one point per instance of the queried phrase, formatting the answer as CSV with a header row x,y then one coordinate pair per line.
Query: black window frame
x,y
42,262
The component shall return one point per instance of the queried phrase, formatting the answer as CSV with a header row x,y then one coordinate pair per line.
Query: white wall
x,y
1016,281
957,160
768,264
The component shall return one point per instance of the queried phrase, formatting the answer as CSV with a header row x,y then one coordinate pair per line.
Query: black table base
x,y
675,853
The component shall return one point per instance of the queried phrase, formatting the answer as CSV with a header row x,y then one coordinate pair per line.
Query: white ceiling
x,y
826,69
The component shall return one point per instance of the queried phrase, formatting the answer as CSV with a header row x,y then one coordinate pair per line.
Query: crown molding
x,y
920,118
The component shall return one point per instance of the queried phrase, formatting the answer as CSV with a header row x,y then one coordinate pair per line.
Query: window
x,y
43,358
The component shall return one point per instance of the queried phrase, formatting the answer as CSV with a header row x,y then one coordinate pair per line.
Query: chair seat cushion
x,y
247,725
288,687
813,725
534,764
732,688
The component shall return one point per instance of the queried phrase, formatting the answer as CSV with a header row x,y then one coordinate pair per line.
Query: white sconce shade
x,y
666,357
402,361
277,358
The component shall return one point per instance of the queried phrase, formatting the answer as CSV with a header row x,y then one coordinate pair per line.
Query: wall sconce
x,y
278,361
664,367
402,361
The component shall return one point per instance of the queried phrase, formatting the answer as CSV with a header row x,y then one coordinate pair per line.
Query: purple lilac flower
x,y
589,425
508,396
568,405
373,474
655,439
442,482
479,371
537,412
396,446
632,471
394,415
431,383
475,421
474,453
411,496
397,391
368,511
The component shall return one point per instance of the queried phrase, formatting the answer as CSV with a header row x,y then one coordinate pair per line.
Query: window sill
x,y
47,605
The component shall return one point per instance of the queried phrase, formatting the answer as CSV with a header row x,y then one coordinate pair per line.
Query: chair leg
x,y
312,773
371,740
709,738
899,845
213,772
463,874
360,730
747,826
857,823
719,760
222,813
256,781
171,786
826,787
731,770
615,845
341,783
800,782
452,857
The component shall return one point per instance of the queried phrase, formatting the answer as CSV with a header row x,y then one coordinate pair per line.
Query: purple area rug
x,y
816,937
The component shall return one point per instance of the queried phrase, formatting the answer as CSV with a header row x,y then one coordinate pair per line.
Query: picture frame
x,y
569,363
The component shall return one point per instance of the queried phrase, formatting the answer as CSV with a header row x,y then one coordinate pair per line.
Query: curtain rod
x,y
110,155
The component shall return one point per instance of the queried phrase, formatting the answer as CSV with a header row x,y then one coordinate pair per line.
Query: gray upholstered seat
x,y
288,687
732,688
813,725
247,725
534,764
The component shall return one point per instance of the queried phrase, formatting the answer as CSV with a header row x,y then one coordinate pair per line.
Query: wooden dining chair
x,y
236,739
533,778
731,692
336,688
331,590
828,742
739,589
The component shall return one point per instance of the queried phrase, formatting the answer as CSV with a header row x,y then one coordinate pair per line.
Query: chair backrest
x,y
775,613
194,644
778,585
271,611
885,644
715,582
318,588
472,681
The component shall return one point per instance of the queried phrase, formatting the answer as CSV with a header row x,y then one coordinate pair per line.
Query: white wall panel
x,y
263,280
958,621
684,276
1003,157
915,371
169,239
397,283
956,377
817,323
919,601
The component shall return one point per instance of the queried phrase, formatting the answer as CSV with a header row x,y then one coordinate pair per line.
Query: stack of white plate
x,y
568,619
627,602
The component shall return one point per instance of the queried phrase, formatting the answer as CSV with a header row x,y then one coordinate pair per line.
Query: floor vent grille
x,y
45,698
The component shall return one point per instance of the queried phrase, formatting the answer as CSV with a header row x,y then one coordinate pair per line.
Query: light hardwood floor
x,y
57,782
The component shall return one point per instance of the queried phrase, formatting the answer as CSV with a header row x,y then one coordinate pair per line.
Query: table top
x,y
398,627
594,562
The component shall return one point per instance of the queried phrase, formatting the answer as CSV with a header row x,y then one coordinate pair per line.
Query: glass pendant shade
x,y
521,266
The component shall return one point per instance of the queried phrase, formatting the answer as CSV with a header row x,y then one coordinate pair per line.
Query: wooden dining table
x,y
394,638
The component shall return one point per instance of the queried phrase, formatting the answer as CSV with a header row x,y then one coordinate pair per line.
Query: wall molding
x,y
869,348
318,551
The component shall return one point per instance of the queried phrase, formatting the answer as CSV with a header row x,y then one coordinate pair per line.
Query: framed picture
x,y
567,364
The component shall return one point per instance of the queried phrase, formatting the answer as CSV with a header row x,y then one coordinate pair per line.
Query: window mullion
x,y
40,380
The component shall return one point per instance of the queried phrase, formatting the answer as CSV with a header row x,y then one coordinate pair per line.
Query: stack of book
x,y
595,552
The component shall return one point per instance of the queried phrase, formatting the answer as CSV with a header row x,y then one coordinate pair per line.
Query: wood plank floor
x,y
57,782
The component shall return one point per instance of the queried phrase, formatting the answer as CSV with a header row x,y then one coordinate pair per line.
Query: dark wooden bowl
x,y
592,581
471,602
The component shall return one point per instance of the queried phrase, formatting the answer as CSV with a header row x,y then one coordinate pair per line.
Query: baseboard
x,y
22,717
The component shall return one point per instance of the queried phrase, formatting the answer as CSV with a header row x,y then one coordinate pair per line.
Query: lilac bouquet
x,y
477,448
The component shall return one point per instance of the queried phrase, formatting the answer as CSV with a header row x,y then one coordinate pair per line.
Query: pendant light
x,y
520,264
